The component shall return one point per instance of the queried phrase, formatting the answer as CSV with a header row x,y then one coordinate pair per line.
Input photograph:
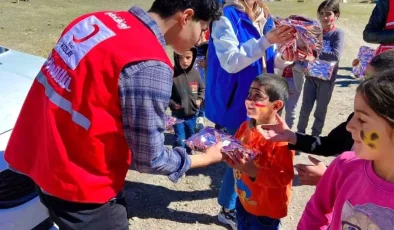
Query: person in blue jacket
x,y
241,48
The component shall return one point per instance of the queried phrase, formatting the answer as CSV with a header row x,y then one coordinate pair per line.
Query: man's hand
x,y
278,132
311,174
211,156
198,102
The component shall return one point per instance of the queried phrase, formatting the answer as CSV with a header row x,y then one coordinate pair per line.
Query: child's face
x,y
372,135
185,59
258,105
327,18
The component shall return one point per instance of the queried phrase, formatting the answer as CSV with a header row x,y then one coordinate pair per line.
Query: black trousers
x,y
77,216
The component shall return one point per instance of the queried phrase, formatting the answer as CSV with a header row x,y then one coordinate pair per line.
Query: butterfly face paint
x,y
370,139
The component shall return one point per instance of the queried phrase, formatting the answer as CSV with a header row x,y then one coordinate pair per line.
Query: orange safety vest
x,y
69,135
389,26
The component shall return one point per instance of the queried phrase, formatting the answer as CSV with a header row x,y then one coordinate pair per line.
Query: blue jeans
x,y
201,112
183,131
227,195
247,221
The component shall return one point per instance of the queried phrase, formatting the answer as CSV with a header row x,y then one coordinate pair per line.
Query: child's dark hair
x,y
330,5
383,61
378,92
206,10
275,87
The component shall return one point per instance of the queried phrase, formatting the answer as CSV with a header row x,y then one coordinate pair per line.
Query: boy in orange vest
x,y
264,184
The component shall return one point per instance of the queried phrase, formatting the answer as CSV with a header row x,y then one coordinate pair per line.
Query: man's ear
x,y
186,17
278,105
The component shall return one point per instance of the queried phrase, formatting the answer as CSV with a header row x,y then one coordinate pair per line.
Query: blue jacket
x,y
234,60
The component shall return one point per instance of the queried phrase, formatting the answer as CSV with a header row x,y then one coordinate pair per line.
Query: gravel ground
x,y
154,201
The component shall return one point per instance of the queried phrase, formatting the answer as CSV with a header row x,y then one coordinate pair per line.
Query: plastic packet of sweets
x,y
320,69
233,148
307,44
205,138
170,121
365,55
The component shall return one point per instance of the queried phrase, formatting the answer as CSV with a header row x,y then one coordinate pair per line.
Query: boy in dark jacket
x,y
187,95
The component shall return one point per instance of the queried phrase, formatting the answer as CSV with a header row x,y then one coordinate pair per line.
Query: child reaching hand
x,y
357,190
264,184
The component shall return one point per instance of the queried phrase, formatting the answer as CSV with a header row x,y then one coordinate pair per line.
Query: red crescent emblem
x,y
95,31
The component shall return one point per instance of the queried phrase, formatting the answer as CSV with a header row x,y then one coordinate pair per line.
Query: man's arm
x,y
337,141
145,90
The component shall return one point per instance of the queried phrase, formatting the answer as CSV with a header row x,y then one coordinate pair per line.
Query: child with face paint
x,y
363,180
317,89
336,142
264,184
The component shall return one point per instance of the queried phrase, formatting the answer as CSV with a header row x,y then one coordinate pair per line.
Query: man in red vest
x,y
380,28
98,103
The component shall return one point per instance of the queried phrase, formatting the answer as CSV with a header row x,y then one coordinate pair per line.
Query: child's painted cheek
x,y
332,20
260,106
371,139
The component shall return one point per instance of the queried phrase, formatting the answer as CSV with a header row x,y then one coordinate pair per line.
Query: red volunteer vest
x,y
69,136
389,26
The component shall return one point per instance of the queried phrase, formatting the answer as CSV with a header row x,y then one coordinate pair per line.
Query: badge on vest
x,y
80,39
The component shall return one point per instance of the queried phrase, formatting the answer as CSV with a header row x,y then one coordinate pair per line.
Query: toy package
x,y
170,121
364,56
307,44
320,69
205,138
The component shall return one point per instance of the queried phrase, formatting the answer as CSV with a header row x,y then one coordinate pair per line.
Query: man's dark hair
x,y
383,61
205,10
330,5
275,87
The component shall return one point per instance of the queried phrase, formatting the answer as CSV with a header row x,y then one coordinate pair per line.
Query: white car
x,y
20,206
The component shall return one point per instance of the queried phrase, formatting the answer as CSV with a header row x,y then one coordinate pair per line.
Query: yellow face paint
x,y
371,139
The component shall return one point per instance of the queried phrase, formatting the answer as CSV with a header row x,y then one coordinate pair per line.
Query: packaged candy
x,y
205,138
208,137
307,44
365,55
232,147
320,69
170,121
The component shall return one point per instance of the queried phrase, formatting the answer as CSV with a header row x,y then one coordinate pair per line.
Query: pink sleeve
x,y
318,211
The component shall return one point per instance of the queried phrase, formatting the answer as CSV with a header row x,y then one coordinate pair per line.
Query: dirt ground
x,y
155,202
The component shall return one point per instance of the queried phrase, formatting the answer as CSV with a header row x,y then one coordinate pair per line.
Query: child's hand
x,y
355,62
201,64
242,164
176,106
278,132
311,174
198,103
